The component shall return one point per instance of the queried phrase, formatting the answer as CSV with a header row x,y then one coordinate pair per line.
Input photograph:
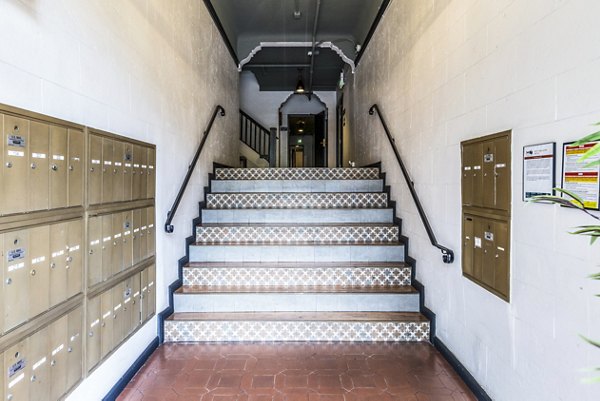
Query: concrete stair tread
x,y
295,289
299,265
300,316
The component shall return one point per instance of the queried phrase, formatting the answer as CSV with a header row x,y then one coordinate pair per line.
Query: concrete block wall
x,y
146,69
448,70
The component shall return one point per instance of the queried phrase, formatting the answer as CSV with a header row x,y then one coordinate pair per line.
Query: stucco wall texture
x,y
444,71
147,69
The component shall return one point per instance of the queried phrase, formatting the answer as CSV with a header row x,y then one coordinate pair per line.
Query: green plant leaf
x,y
593,151
554,199
571,194
593,137
592,342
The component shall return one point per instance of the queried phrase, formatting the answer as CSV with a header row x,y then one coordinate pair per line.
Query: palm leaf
x,y
593,137
571,194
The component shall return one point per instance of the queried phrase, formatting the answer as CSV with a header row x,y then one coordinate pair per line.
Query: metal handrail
x,y
253,134
447,253
168,226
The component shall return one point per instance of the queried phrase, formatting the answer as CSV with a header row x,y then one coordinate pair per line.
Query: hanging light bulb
x,y
300,84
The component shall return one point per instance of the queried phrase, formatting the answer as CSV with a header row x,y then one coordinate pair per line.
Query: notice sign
x,y
538,170
578,177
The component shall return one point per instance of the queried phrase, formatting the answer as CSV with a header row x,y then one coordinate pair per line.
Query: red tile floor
x,y
297,372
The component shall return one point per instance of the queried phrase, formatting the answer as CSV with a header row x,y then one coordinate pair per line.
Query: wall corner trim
x,y
133,369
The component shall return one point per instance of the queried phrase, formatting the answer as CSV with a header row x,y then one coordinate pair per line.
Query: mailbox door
x,y
107,170
16,368
74,258
74,347
107,246
151,236
15,168
16,278
95,170
468,245
39,272
93,333
117,243
127,224
38,366
58,357
118,149
127,171
107,320
75,168
94,250
39,176
59,141
59,238
151,176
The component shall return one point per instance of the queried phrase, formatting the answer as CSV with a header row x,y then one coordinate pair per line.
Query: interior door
x,y
320,144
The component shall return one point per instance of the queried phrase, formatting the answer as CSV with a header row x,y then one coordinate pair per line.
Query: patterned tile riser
x,y
296,200
286,234
178,331
296,173
362,276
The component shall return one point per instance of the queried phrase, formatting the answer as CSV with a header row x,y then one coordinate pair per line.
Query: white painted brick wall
x,y
465,68
147,69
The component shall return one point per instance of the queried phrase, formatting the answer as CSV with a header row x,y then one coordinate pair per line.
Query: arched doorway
x,y
303,131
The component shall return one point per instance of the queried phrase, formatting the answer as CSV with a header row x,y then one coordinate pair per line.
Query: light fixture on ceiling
x,y
300,126
299,84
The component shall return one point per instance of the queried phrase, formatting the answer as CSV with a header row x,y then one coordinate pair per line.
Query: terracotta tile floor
x,y
297,372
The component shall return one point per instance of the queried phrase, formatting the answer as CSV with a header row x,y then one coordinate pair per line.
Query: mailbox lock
x,y
114,243
32,272
91,334
115,171
54,167
33,378
69,259
9,164
91,169
33,166
103,324
71,167
91,251
52,265
9,281
53,362
70,349
9,397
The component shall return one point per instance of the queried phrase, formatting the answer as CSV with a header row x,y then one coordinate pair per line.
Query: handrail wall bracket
x,y
169,228
447,253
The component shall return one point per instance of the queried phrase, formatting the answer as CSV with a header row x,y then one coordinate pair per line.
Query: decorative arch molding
x,y
329,45
321,102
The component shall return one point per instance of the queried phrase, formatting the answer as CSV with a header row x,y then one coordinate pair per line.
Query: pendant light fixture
x,y
300,84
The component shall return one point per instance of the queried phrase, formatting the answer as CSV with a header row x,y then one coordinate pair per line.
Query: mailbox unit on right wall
x,y
486,195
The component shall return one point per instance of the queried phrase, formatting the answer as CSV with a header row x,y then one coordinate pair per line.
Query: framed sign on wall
x,y
578,176
539,170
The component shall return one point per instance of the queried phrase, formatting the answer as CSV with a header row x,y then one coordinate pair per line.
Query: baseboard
x,y
133,369
464,374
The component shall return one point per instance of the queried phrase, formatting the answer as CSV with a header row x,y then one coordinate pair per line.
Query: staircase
x,y
303,254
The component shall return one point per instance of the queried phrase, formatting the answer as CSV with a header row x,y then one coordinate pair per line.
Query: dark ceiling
x,y
286,28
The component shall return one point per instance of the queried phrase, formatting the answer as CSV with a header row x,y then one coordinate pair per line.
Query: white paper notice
x,y
538,170
580,178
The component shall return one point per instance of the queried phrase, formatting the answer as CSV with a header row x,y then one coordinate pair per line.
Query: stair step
x,y
372,185
385,252
278,274
293,299
311,173
296,200
282,234
295,289
297,326
298,216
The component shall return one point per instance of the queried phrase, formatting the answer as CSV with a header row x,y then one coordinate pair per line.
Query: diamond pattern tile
x,y
183,331
289,234
297,173
293,200
289,276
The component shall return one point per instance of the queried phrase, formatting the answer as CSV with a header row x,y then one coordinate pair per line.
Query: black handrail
x,y
447,254
168,226
255,135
